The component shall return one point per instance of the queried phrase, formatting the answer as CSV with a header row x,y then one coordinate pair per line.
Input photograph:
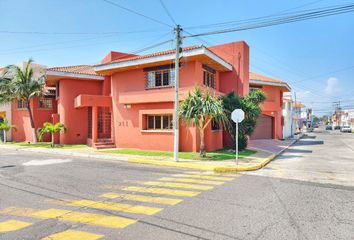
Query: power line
x,y
284,20
137,13
167,12
73,33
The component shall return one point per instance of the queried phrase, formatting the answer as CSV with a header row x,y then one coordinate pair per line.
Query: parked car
x,y
315,125
329,127
346,129
337,128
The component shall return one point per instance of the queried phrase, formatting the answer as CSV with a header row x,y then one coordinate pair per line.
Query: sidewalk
x,y
267,150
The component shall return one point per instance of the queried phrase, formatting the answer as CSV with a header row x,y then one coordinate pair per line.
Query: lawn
x,y
218,155
46,145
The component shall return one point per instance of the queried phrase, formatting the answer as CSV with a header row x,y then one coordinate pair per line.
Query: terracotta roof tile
x,y
152,54
259,77
80,69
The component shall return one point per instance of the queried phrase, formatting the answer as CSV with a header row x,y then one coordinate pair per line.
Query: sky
x,y
315,57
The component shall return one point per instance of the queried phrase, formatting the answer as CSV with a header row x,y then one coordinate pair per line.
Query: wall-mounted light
x,y
127,106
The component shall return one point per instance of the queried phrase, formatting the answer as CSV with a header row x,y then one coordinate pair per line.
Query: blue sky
x,y
315,57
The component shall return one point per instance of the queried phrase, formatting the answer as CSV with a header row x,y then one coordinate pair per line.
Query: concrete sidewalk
x,y
266,151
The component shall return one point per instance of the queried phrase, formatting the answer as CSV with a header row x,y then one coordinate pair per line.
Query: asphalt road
x,y
61,198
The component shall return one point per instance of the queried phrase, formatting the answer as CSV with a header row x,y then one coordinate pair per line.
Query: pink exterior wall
x,y
127,119
273,107
75,119
20,118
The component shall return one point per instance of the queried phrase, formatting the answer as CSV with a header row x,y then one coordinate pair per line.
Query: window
x,y
215,125
21,104
209,76
253,88
161,78
46,103
57,90
159,122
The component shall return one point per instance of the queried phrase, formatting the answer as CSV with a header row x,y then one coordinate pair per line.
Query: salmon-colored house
x,y
270,123
126,101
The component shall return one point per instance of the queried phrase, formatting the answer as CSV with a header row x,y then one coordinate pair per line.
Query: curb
x,y
73,154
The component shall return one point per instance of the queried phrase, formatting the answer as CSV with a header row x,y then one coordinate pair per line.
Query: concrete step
x,y
104,146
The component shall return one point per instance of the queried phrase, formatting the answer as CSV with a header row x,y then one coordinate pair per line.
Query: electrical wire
x,y
283,20
167,12
137,13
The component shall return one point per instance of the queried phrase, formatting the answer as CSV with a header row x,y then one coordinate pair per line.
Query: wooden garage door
x,y
264,128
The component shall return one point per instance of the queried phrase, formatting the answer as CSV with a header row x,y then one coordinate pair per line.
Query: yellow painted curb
x,y
250,167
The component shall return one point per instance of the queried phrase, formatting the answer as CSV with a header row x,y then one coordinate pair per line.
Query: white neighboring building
x,y
289,127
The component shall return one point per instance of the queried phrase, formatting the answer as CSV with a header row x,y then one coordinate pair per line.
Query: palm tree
x,y
20,85
201,108
5,127
52,129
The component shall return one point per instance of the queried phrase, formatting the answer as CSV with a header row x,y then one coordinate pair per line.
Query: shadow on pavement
x,y
302,143
298,151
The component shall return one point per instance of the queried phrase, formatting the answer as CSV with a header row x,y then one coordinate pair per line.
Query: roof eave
x,y
74,75
259,82
161,58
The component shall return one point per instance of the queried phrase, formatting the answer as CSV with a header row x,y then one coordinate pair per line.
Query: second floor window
x,y
159,122
209,76
161,78
22,104
46,103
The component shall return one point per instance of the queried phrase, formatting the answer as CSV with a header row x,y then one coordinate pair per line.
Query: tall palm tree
x,y
5,126
201,108
20,85
52,129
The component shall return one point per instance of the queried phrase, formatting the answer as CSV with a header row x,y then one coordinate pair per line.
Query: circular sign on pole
x,y
237,115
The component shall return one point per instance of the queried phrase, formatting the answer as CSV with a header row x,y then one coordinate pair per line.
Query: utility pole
x,y
176,117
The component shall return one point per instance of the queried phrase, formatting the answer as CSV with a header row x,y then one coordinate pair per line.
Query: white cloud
x,y
332,86
303,94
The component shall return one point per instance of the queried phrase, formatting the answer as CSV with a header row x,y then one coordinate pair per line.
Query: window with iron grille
x,y
159,122
209,76
22,104
161,78
46,103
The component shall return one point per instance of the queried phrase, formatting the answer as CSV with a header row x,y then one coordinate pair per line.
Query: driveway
x,y
321,157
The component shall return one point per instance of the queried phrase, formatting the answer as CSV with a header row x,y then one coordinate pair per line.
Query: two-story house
x,y
127,101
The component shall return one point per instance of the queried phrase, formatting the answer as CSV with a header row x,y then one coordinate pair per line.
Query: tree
x,y
5,127
251,105
201,108
52,129
20,85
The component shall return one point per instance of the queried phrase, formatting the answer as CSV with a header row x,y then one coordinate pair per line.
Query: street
x,y
306,193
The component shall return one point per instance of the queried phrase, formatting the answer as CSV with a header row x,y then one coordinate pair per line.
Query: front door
x,y
2,134
104,122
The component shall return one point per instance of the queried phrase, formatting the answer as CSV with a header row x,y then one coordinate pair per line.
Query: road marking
x,y
214,174
71,216
164,191
142,198
73,235
45,162
189,180
116,207
177,185
12,225
202,177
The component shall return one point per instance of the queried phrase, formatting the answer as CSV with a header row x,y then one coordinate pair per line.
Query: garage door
x,y
264,128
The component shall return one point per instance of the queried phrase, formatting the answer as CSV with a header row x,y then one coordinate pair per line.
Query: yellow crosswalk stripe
x,y
163,191
177,185
73,235
214,174
13,225
116,207
142,198
202,177
189,180
71,216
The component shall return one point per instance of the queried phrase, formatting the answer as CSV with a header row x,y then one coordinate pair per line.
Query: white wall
x,y
288,128
7,109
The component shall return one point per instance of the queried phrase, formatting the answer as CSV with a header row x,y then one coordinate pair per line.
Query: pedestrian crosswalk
x,y
143,198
